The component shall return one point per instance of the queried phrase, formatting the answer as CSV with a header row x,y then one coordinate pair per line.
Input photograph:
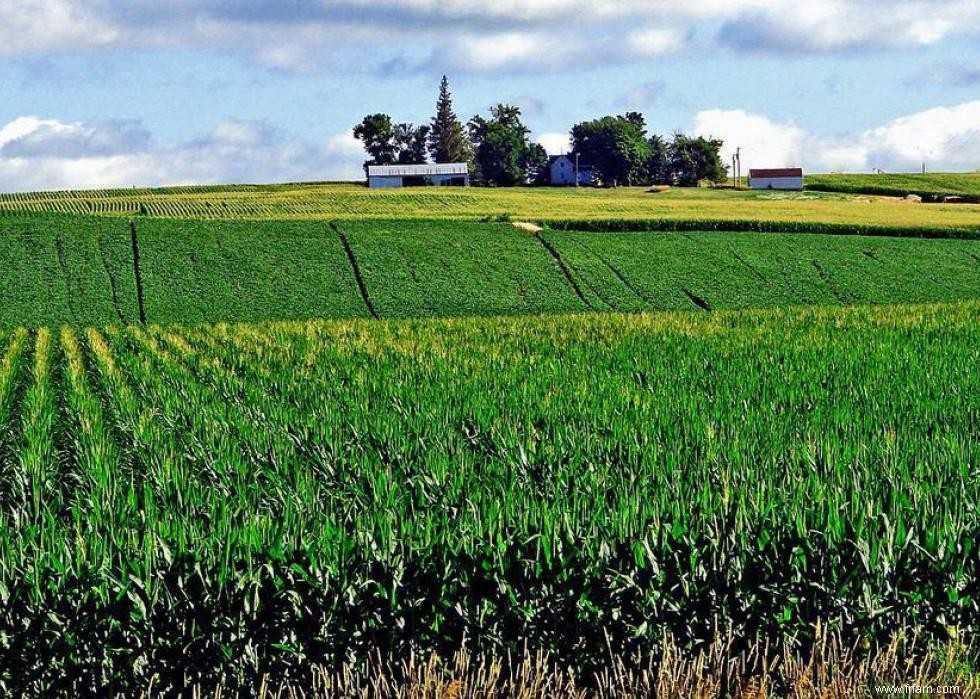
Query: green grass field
x,y
928,185
357,203
213,503
80,270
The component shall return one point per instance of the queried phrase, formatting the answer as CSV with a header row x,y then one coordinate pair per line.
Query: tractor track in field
x,y
872,255
565,270
745,263
59,246
698,301
356,268
826,278
137,271
112,280
621,277
975,257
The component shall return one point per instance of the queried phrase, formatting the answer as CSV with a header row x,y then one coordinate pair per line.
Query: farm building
x,y
781,178
563,169
438,175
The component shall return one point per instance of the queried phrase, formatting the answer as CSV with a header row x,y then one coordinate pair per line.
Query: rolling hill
x,y
80,270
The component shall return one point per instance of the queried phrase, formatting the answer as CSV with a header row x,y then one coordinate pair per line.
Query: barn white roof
x,y
418,170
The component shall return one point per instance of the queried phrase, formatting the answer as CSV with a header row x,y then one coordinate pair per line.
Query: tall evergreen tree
x,y
447,139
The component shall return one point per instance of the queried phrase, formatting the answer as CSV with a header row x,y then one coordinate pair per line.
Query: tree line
x,y
500,153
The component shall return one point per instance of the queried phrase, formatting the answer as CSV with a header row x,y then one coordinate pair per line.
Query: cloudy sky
x,y
134,92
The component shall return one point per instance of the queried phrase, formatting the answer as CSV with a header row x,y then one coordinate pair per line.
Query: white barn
x,y
438,175
563,171
790,178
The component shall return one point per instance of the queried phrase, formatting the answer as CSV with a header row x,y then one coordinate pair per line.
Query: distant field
x,y
929,185
80,271
351,202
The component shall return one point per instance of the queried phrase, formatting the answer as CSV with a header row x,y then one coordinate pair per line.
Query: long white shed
x,y
437,174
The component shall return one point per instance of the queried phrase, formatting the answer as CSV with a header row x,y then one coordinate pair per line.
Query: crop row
x,y
212,503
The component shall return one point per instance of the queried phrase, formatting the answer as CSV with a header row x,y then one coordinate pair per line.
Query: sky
x,y
122,93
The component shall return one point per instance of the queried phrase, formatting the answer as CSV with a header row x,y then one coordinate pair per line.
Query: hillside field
x,y
208,504
348,202
80,270
939,185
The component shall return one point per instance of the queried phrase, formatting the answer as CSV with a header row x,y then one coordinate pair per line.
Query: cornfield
x,y
212,505
701,209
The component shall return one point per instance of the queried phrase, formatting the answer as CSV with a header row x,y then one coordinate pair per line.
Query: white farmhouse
x,y
563,169
437,175
790,178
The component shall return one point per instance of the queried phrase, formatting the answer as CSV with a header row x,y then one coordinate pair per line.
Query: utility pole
x,y
734,174
738,157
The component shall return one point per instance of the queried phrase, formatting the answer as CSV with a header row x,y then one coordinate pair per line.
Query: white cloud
x,y
949,136
35,26
29,137
555,143
496,52
303,36
946,138
101,154
654,42
826,26
763,142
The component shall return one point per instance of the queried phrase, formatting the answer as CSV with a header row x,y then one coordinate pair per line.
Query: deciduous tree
x,y
617,147
412,143
377,135
503,151
694,160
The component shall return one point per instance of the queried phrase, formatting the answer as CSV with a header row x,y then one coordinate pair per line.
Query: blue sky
x,y
134,92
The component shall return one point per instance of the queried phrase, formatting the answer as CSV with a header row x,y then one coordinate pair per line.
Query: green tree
x,y
694,160
412,144
536,164
659,166
447,137
503,151
617,147
377,135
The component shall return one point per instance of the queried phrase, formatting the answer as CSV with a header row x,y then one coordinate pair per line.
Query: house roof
x,y
583,163
767,173
418,170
